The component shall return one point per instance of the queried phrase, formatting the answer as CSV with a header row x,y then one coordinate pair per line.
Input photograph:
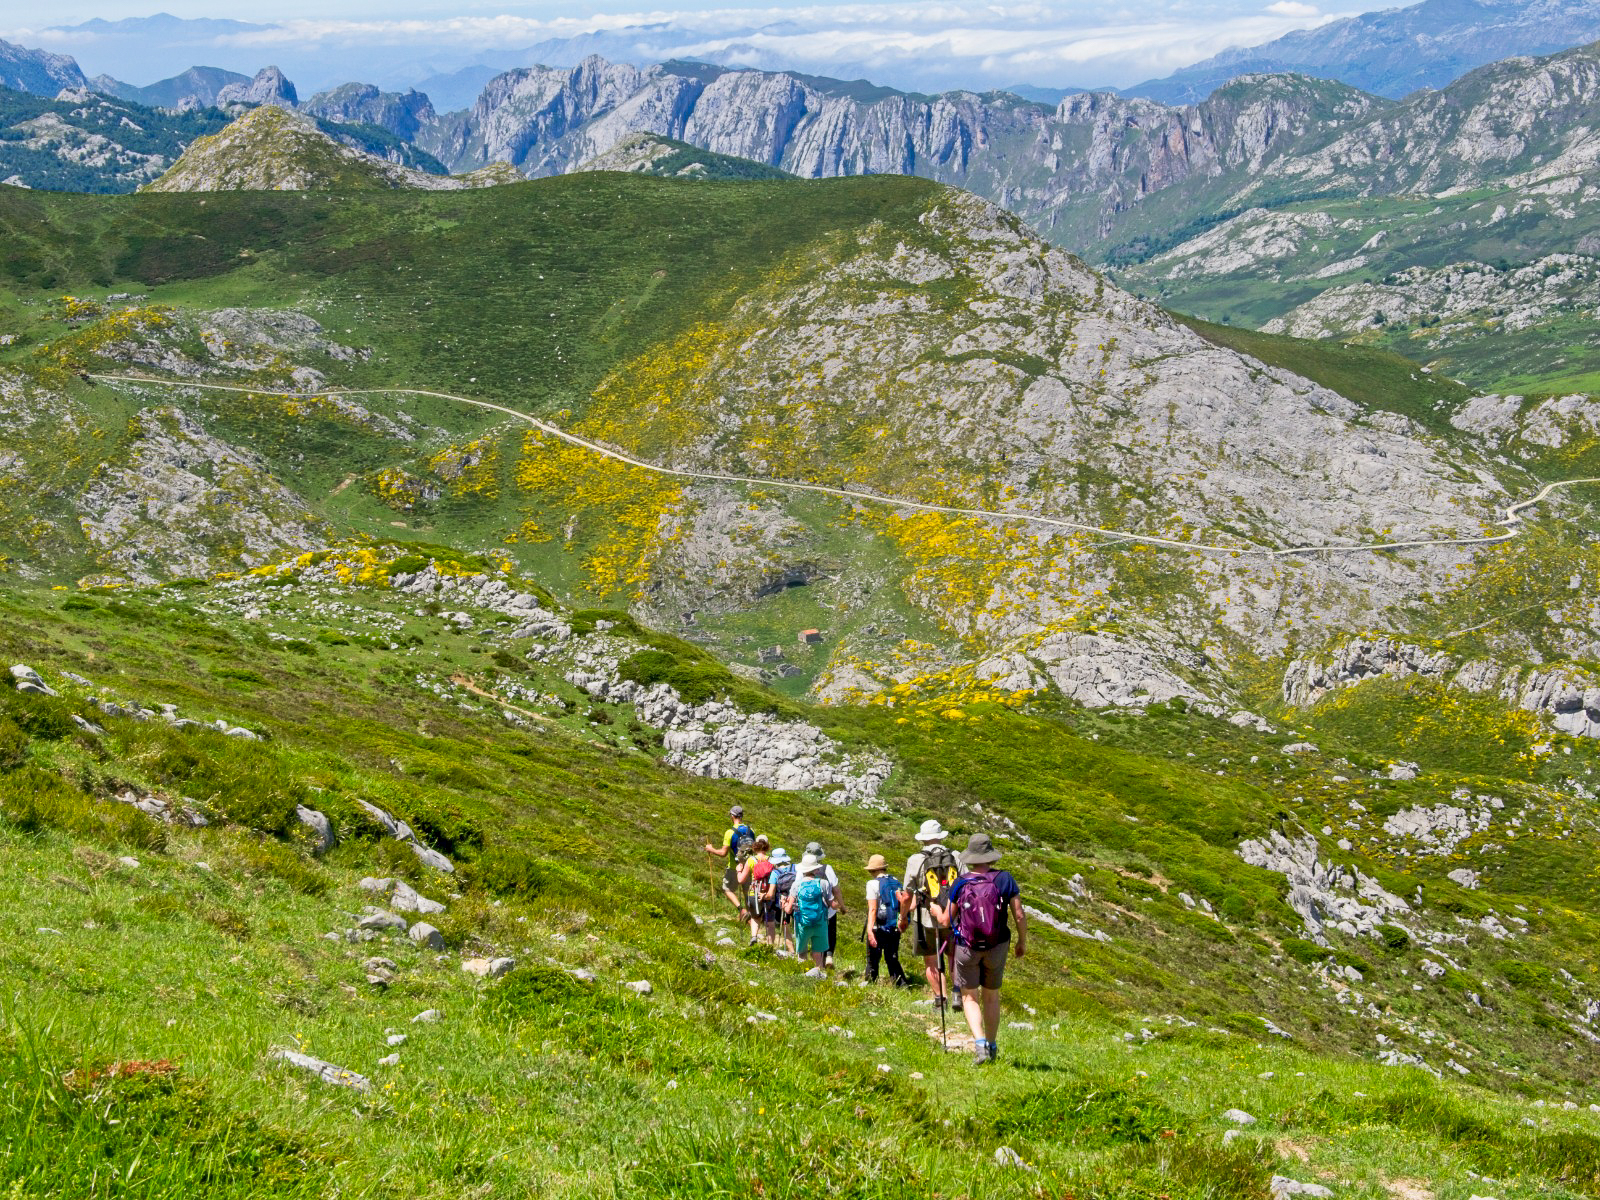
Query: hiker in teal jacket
x,y
812,901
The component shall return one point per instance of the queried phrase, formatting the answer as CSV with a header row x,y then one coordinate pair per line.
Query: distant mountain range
x,y
1399,50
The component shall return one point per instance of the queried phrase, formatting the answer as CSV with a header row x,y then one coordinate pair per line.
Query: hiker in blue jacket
x,y
883,923
981,900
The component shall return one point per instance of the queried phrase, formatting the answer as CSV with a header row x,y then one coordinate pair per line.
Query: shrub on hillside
x,y
13,745
48,718
241,781
1310,953
1527,975
34,800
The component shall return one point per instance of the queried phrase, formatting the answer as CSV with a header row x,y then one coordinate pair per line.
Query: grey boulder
x,y
424,934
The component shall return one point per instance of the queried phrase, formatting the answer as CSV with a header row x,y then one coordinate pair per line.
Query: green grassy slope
x,y
529,290
194,953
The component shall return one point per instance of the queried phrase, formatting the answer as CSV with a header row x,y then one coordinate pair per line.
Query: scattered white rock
x,y
424,934
1238,1116
641,986
325,1071
488,968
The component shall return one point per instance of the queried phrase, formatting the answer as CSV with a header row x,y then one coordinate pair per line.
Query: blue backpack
x,y
744,841
781,880
811,902
888,902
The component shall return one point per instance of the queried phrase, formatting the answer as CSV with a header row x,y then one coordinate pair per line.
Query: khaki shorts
x,y
925,941
977,969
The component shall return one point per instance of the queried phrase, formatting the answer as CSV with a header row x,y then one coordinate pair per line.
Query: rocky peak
x,y
274,148
37,71
401,113
268,87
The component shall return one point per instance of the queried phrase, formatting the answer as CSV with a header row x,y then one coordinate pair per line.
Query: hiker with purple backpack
x,y
980,902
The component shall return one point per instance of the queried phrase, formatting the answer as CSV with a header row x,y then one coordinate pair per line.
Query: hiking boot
x,y
981,1054
940,1004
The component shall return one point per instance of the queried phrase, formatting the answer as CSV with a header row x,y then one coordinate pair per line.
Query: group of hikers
x,y
958,909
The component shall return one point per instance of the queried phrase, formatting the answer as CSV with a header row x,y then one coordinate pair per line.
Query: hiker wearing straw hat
x,y
980,902
812,901
883,922
929,874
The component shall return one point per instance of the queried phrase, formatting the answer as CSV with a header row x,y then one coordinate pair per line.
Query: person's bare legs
x,y
973,1009
934,976
991,1012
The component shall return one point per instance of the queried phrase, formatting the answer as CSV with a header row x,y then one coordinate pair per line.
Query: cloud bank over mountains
x,y
925,47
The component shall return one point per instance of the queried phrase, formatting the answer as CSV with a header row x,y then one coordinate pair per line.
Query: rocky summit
x,y
275,148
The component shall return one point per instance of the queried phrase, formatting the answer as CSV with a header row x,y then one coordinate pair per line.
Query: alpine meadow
x,y
440,608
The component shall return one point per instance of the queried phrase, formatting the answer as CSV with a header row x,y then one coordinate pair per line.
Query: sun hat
x,y
779,857
808,865
815,850
877,863
931,831
980,850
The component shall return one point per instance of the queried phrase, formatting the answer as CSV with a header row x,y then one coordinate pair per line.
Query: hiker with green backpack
x,y
929,874
979,904
738,841
812,901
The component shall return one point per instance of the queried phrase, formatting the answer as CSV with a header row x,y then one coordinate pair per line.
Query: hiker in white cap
x,y
811,901
929,874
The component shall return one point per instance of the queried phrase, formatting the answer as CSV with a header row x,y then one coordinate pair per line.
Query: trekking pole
x,y
944,1041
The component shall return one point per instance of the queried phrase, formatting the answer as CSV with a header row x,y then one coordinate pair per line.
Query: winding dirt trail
x,y
1512,521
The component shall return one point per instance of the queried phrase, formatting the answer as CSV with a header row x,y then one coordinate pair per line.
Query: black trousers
x,y
833,932
888,952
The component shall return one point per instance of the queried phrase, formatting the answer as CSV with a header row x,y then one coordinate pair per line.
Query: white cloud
x,y
937,45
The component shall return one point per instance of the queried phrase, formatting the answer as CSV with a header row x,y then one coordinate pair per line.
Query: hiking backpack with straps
x,y
888,902
939,871
780,881
744,842
977,914
811,902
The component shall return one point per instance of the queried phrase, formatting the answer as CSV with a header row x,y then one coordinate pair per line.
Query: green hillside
x,y
1359,907
154,968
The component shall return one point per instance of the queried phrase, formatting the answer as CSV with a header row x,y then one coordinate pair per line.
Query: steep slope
x,y
85,142
885,337
38,71
1397,51
274,148
1457,227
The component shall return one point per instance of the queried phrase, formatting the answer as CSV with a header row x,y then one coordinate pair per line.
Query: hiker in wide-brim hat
x,y
815,850
811,901
981,901
929,874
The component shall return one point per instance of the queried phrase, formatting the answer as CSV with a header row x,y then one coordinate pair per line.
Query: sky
x,y
931,45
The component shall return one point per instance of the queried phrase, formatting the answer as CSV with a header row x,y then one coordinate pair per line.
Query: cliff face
x,y
401,113
38,71
1069,170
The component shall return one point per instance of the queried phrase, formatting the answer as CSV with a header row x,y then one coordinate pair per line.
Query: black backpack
x,y
939,871
781,880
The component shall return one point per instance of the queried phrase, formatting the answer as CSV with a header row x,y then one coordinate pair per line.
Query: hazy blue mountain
x,y
199,85
37,71
1399,50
